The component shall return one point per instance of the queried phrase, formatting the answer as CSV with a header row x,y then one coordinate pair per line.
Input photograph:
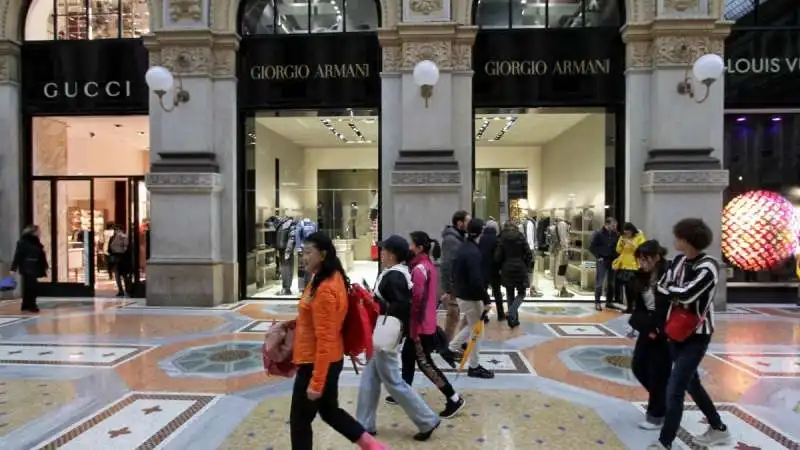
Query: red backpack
x,y
359,323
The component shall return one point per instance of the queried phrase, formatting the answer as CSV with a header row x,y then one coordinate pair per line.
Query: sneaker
x,y
650,426
535,294
713,437
657,445
390,400
425,435
480,372
564,293
452,408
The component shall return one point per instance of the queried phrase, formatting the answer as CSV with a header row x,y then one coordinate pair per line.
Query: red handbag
x,y
681,324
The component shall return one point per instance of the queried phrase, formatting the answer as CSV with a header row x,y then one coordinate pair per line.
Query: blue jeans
x,y
384,368
604,275
686,358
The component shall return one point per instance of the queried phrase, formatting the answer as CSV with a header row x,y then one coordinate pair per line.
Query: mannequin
x,y
559,246
351,223
528,226
285,257
373,205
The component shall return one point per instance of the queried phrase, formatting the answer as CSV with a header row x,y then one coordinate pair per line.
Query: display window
x,y
761,212
307,16
307,172
86,19
498,14
551,176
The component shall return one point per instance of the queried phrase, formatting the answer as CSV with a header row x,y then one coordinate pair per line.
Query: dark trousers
x,y
418,354
304,411
515,294
625,285
30,290
686,358
651,364
604,276
497,295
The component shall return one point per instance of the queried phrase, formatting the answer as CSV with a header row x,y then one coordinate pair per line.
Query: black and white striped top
x,y
692,283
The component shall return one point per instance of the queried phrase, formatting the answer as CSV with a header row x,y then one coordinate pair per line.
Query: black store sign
x,y
762,69
84,77
310,71
553,67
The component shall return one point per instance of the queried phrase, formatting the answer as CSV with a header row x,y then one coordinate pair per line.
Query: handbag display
x,y
681,324
387,334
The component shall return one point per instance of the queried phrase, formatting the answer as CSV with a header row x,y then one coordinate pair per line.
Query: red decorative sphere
x,y
759,230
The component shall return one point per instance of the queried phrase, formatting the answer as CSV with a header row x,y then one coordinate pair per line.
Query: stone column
x,y
674,144
193,259
10,154
427,159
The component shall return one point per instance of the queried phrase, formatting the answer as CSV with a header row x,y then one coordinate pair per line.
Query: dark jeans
x,y
604,276
651,364
304,411
414,355
515,294
497,294
30,290
625,284
686,358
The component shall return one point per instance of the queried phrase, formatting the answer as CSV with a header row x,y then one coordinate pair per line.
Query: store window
x,y
86,19
761,213
499,14
309,171
526,176
308,16
762,13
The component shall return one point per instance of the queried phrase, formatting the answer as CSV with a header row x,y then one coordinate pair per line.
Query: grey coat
x,y
451,241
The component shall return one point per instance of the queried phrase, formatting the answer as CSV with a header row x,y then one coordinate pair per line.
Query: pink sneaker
x,y
368,442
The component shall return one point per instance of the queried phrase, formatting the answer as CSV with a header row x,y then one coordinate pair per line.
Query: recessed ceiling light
x,y
140,133
118,125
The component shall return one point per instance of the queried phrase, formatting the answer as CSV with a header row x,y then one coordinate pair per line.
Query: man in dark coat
x,y
603,246
514,257
452,237
491,271
30,262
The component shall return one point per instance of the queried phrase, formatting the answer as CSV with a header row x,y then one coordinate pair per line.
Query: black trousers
x,y
625,285
652,364
30,290
304,411
419,354
497,294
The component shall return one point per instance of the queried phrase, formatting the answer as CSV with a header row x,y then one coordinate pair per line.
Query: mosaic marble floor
x,y
107,374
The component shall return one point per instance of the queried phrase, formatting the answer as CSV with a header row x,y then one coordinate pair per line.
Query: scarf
x,y
402,268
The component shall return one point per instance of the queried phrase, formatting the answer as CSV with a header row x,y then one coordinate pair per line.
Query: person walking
x,y
691,284
119,257
514,257
319,350
30,262
491,270
452,238
417,351
603,245
473,300
393,292
625,264
651,363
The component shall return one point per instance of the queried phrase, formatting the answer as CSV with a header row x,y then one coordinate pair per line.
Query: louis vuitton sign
x,y
84,77
309,71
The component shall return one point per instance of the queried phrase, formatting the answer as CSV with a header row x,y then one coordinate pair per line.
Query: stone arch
x,y
225,13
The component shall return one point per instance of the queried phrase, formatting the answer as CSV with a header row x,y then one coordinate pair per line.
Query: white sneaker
x,y
645,425
657,445
713,437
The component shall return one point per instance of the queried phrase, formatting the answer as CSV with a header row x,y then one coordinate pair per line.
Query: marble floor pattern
x,y
107,374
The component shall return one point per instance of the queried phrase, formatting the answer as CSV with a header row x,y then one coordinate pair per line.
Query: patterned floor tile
x,y
492,419
51,306
220,360
257,326
764,364
779,311
138,421
750,330
8,320
580,330
22,401
128,325
77,355
501,362
557,310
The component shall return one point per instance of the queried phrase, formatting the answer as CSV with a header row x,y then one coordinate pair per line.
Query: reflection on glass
x,y
293,17
41,217
565,14
327,16
492,13
99,19
527,14
361,15
75,230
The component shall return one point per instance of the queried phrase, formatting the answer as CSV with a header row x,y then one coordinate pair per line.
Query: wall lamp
x,y
426,75
706,69
161,80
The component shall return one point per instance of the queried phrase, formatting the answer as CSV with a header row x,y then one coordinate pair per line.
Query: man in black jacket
x,y
469,286
603,246
452,238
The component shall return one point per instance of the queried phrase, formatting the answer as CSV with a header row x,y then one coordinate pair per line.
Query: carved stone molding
x,y
672,42
639,55
683,50
9,62
183,11
683,6
426,178
194,52
640,11
184,182
419,11
685,180
448,45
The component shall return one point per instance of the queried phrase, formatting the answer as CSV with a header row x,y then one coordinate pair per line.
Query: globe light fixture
x,y
426,75
706,69
160,80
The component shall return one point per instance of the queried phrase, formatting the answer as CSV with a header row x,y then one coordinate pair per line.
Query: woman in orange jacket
x,y
319,350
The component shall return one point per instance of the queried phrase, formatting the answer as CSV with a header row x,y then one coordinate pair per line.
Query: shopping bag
x,y
8,283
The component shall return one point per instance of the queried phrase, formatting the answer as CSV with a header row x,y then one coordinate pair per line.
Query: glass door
x,y
139,232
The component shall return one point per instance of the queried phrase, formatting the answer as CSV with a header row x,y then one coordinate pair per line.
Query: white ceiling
x,y
531,129
126,132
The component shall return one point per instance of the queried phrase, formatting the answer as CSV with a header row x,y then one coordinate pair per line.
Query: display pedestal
x,y
671,195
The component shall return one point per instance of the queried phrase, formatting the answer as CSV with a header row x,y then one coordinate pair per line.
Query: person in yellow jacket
x,y
625,265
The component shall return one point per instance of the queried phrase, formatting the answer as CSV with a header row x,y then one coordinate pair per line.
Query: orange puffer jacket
x,y
318,334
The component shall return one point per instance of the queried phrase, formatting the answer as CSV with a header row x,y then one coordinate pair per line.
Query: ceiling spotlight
x,y
118,125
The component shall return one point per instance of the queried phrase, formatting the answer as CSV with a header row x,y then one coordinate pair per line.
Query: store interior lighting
x,y
360,138
486,121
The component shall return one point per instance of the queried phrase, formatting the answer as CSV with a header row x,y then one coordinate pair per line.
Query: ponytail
x,y
429,246
436,250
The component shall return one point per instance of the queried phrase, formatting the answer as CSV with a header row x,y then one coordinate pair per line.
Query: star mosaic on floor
x,y
612,363
78,355
22,401
581,330
493,419
139,421
764,364
217,361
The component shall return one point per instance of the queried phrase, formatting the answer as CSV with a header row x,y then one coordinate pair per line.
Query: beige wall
x,y
269,146
573,164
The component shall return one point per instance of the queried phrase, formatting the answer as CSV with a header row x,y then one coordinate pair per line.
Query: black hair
x,y
429,246
330,263
459,216
650,249
627,226
475,228
610,220
695,232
